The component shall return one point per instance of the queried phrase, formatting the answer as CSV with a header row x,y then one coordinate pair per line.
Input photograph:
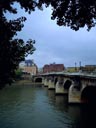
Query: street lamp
x,y
80,65
75,66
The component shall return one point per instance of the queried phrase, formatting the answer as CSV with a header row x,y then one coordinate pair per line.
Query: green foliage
x,y
18,74
12,50
73,13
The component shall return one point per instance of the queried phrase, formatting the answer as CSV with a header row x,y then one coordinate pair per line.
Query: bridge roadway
x,y
80,87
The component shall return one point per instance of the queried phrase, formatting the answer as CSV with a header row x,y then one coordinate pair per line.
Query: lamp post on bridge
x,y
75,66
80,65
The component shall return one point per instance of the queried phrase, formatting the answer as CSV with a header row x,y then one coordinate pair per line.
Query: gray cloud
x,y
57,44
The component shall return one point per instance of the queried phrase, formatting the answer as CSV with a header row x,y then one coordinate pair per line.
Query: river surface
x,y
38,107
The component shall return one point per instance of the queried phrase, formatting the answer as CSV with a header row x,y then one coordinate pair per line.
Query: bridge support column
x,y
46,82
51,85
43,81
59,89
74,95
65,91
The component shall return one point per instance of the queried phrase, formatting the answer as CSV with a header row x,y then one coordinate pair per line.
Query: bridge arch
x,y
88,94
67,84
38,80
55,81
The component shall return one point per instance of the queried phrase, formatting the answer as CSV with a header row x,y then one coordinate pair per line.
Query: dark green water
x,y
30,107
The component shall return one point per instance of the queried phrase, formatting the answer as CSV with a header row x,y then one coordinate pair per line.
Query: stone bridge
x,y
80,87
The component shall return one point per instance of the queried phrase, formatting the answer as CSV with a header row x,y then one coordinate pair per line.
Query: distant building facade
x,y
28,66
53,68
89,68
72,69
86,68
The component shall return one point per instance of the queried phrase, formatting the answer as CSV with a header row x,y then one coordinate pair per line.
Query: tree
x,y
18,74
73,13
12,49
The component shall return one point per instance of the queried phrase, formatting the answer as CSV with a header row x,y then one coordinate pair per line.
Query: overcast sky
x,y
57,44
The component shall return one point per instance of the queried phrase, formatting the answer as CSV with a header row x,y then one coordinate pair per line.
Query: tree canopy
x,y
72,13
12,49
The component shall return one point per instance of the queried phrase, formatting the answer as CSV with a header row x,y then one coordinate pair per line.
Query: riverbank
x,y
26,83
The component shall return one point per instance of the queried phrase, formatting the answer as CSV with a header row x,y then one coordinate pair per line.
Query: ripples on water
x,y
29,107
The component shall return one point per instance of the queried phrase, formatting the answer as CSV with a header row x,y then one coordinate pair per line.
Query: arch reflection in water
x,y
79,116
88,116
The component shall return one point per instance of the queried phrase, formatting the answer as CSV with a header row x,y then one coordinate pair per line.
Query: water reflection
x,y
88,116
25,106
82,116
61,103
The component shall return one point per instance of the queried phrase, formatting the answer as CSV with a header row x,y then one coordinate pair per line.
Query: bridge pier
x,y
62,86
51,85
74,95
59,90
43,81
46,82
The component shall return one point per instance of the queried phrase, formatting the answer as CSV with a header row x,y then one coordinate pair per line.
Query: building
x,y
28,66
53,68
89,68
72,69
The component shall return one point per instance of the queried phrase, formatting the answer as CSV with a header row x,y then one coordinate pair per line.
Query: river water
x,y
38,107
